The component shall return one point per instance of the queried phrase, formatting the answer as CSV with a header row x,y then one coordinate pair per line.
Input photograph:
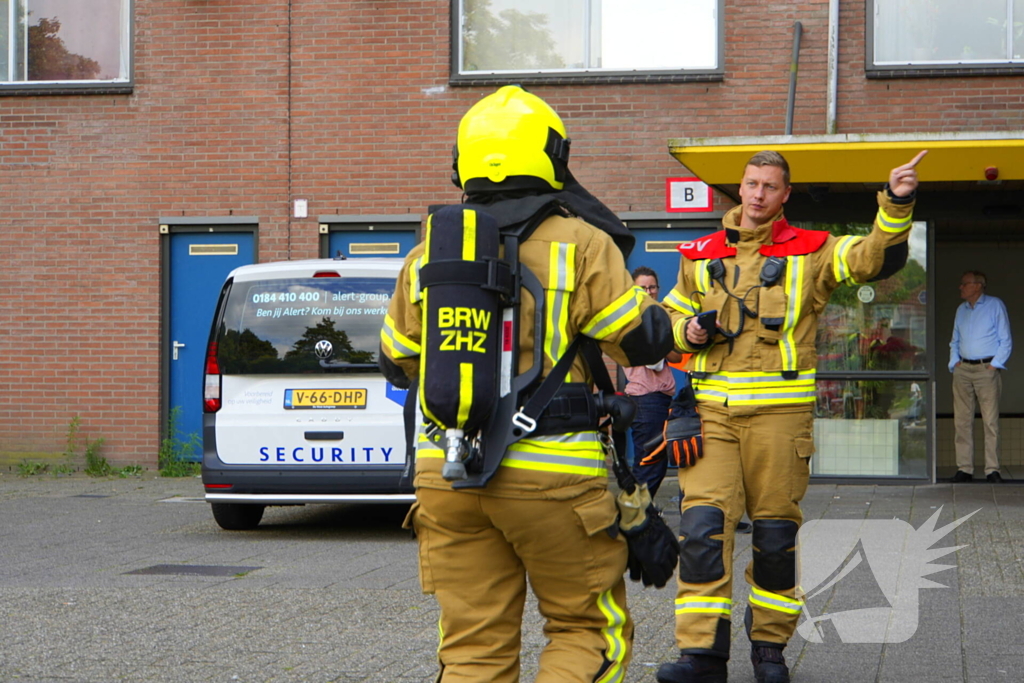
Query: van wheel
x,y
237,516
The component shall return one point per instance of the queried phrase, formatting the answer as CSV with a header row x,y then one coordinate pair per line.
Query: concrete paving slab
x,y
337,598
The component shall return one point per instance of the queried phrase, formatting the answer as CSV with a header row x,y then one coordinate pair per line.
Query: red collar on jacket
x,y
786,241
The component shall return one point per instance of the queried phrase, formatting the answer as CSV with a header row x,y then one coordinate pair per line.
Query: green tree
x,y
243,352
50,60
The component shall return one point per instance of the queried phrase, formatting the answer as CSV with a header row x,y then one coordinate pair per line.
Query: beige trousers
x,y
758,464
976,386
476,552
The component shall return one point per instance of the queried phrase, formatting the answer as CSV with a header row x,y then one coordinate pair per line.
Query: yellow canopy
x,y
858,158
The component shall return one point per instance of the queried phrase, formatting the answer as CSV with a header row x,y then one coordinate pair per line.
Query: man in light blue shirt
x,y
978,353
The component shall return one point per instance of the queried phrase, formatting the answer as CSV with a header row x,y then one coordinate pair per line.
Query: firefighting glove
x,y
653,547
682,437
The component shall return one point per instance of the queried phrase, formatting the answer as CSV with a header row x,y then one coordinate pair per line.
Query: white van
x,y
295,408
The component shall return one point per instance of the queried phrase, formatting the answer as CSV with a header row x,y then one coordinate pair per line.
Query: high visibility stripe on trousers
x,y
774,601
704,605
617,644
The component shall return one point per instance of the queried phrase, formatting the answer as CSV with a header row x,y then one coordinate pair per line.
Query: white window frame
x,y
577,75
120,83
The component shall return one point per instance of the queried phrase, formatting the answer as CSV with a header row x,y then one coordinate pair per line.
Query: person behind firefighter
x,y
546,516
763,284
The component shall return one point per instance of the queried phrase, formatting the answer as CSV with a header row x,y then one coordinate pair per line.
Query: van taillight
x,y
325,273
211,385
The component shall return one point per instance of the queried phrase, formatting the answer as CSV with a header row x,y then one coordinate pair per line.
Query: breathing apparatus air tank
x,y
462,279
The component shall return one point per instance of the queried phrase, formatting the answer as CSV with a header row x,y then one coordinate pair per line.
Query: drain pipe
x,y
833,67
798,29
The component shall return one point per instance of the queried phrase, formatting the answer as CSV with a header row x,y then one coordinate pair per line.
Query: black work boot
x,y
769,664
694,669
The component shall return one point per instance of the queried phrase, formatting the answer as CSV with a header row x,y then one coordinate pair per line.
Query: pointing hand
x,y
903,179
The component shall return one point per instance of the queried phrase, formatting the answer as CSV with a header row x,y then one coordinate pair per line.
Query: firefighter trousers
x,y
476,552
758,463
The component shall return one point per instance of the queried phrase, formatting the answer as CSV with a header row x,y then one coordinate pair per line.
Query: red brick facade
x,y
240,107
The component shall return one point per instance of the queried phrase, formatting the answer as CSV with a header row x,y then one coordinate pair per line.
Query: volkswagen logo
x,y
324,349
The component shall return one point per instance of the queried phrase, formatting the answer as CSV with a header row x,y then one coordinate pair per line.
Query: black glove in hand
x,y
653,551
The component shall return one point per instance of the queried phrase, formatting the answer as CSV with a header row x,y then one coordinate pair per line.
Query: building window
x,y
947,33
558,38
64,43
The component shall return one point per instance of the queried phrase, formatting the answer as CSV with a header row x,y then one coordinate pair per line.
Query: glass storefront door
x,y
872,408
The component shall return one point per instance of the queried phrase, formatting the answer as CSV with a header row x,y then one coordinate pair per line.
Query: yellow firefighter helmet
x,y
511,140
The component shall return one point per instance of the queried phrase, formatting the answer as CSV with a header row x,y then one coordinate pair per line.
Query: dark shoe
x,y
694,669
994,478
960,477
769,665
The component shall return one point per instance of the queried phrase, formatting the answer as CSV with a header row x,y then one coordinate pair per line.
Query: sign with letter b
x,y
687,195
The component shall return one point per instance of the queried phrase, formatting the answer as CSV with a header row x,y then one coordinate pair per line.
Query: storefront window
x,y
873,371
871,427
878,326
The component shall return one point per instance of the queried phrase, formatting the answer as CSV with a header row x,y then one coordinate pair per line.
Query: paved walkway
x,y
131,580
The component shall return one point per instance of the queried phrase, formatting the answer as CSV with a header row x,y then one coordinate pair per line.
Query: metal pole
x,y
831,127
797,31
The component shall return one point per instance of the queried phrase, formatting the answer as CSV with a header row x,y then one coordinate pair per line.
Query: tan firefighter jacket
x,y
771,363
588,290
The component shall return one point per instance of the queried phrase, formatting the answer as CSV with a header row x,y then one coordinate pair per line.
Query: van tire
x,y
237,516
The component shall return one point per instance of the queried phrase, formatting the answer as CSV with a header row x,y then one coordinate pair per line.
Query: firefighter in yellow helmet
x,y
762,284
545,514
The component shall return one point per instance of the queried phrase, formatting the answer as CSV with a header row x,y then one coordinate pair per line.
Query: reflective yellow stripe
x,y
774,601
469,235
561,282
423,384
840,265
576,453
890,224
701,275
617,649
465,392
679,332
700,361
615,315
425,448
704,605
415,291
756,388
680,303
794,299
395,342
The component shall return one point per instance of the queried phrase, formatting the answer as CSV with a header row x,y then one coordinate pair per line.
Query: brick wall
x,y
239,107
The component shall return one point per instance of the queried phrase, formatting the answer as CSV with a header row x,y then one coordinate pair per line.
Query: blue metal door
x,y
199,264
361,243
656,249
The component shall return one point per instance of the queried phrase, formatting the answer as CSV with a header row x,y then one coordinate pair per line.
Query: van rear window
x,y
275,326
